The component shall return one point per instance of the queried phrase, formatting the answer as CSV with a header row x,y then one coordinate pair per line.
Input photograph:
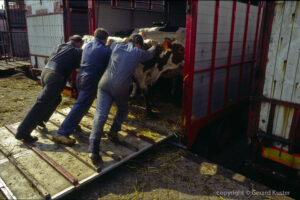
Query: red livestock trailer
x,y
220,45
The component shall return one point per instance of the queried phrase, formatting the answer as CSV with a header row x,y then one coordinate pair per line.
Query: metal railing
x,y
13,33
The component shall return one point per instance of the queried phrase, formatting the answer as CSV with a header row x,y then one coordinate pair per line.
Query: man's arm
x,y
78,58
147,55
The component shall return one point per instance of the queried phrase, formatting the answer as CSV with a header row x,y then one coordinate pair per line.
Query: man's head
x,y
76,40
101,34
137,40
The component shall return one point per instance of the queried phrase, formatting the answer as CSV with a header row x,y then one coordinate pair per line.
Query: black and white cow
x,y
168,59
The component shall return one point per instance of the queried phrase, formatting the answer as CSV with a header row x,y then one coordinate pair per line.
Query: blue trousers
x,y
53,84
87,88
105,98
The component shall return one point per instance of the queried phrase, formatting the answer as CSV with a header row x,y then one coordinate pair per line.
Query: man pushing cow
x,y
114,86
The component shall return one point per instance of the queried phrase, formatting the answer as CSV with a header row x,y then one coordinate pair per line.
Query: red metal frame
x,y
254,46
224,66
91,8
189,57
150,5
212,69
38,15
295,129
5,58
39,55
91,11
229,53
67,20
244,49
8,27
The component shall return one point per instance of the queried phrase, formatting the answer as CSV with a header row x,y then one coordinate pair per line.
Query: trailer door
x,y
45,25
220,53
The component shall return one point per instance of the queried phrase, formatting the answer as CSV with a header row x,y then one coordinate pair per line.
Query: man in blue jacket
x,y
114,86
63,60
94,62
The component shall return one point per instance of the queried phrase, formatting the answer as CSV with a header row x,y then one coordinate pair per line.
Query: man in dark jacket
x,y
94,62
63,60
114,86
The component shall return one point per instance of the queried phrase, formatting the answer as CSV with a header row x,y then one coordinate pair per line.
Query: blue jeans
x,y
87,88
53,84
106,96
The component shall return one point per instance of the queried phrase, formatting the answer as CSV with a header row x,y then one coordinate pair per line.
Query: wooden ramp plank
x,y
45,174
9,142
131,142
61,156
105,145
18,185
154,128
37,167
80,149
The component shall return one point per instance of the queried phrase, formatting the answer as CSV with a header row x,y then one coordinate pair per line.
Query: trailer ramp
x,y
6,65
49,170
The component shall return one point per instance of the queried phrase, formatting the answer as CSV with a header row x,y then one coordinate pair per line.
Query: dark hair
x,y
101,33
138,39
75,38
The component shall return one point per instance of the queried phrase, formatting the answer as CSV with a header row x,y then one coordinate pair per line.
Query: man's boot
x,y
63,139
113,136
42,127
78,129
94,154
26,138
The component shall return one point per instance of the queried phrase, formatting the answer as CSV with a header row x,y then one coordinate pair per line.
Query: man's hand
x,y
109,42
153,43
143,34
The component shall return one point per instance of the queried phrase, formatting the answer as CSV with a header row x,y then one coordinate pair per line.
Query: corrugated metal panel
x,y
201,85
282,75
44,33
203,52
109,18
41,6
204,39
45,27
233,83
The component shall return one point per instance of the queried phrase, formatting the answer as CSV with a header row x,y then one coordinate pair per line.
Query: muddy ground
x,y
164,172
17,94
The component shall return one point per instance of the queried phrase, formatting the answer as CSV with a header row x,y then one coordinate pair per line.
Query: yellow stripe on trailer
x,y
283,157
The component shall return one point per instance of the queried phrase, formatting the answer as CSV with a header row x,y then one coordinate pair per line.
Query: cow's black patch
x,y
178,53
164,60
151,63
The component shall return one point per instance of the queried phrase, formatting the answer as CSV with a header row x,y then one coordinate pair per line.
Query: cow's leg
x,y
134,88
148,103
174,84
